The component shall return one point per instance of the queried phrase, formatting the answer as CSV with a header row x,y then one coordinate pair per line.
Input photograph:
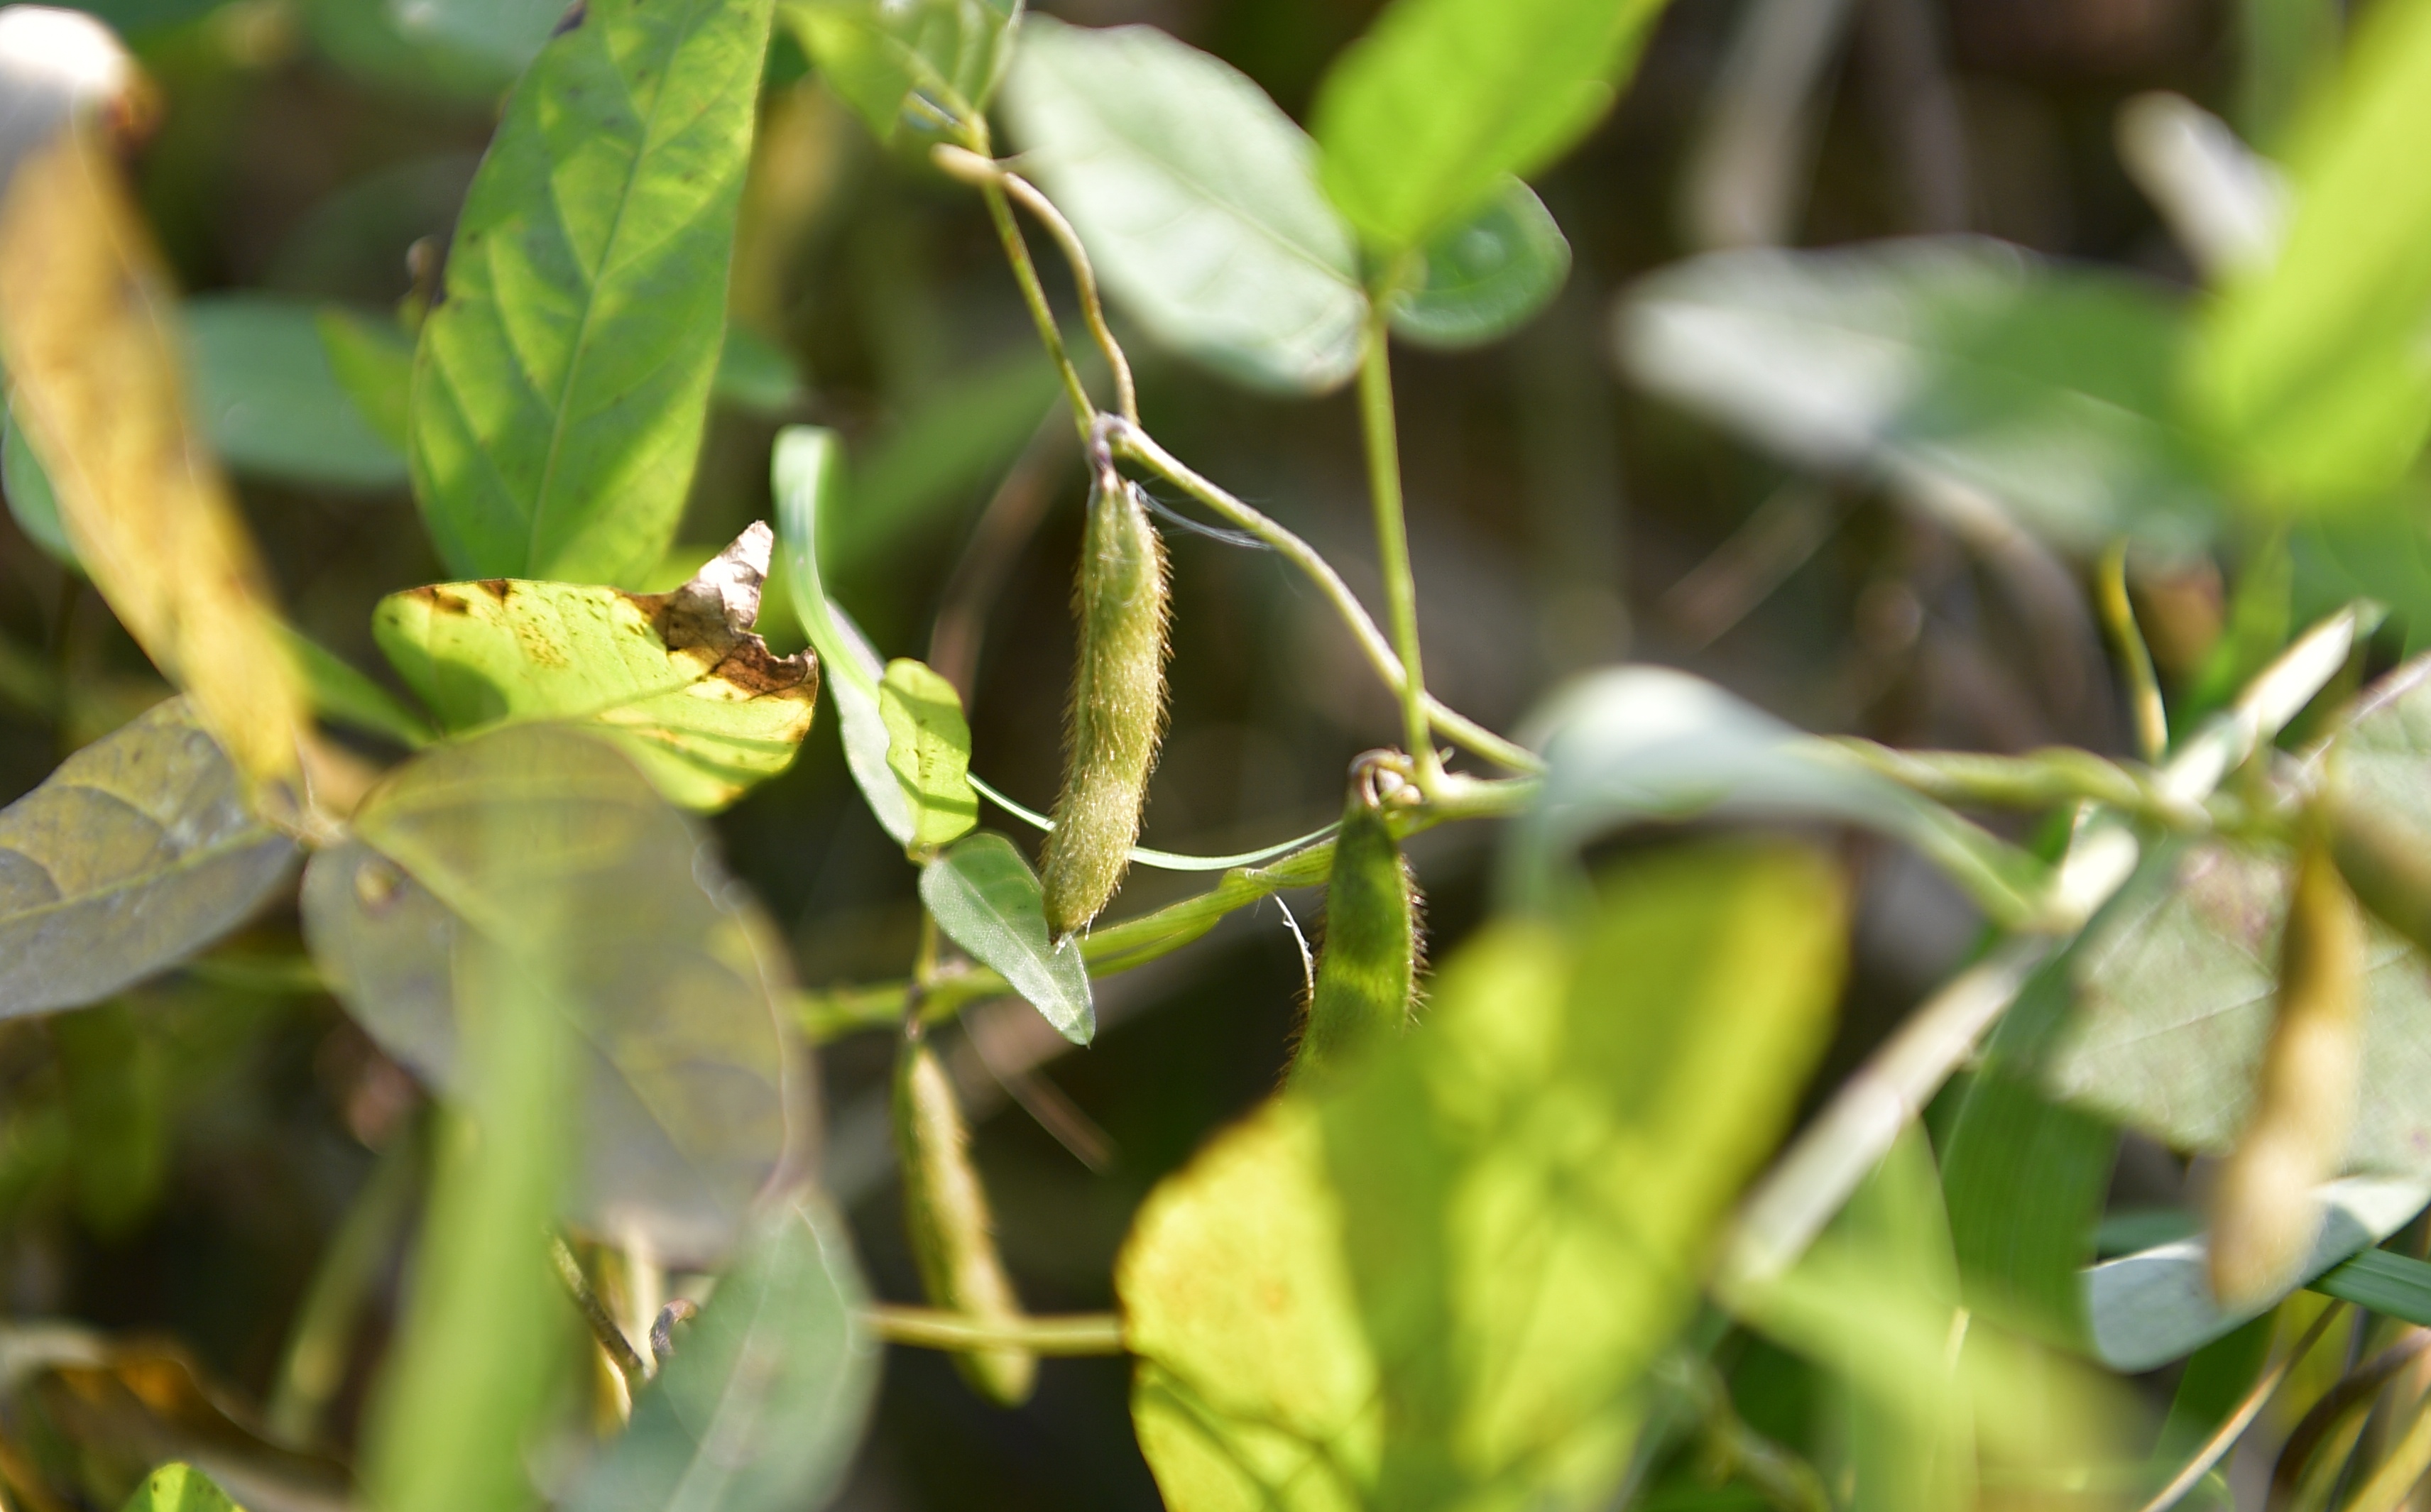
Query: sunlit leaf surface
x,y
678,679
87,327
1436,1282
762,1403
922,63
136,854
1425,115
928,749
547,847
179,1488
2312,369
1196,198
562,384
1932,363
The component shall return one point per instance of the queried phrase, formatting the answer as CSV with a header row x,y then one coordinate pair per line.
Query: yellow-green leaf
x,y
179,1487
928,751
678,679
88,331
1438,1279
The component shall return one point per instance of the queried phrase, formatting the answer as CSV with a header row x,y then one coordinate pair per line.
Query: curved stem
x,y
1137,446
2143,686
1034,293
933,1328
2222,1443
1377,429
1000,184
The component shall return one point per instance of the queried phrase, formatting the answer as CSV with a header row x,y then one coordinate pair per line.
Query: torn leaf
x,y
678,679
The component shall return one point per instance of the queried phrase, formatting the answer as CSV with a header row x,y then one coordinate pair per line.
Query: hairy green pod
x,y
946,1216
2264,1216
1117,714
1367,976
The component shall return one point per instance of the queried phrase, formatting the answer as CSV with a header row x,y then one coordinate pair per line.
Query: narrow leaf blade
x,y
987,900
1424,115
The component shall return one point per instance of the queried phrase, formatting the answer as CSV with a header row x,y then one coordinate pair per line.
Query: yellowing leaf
x,y
85,312
1438,1279
678,679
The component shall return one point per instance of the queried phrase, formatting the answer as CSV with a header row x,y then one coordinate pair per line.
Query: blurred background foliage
x,y
182,1180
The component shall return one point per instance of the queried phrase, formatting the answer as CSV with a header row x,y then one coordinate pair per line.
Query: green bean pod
x,y
946,1216
1117,713
2264,1216
1368,974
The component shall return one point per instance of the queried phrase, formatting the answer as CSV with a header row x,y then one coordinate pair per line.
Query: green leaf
x,y
928,751
548,849
179,1488
678,679
1485,276
342,695
1422,117
2174,989
2394,1286
136,854
1640,744
2156,1305
2311,368
1438,1279
374,362
31,502
761,1404
562,384
804,471
1932,363
933,64
1196,198
486,1336
986,899
755,375
266,395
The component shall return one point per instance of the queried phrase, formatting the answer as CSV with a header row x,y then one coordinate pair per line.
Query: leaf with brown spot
x,y
678,679
86,315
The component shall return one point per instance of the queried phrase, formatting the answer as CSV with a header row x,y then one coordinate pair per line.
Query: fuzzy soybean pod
x,y
1117,713
1367,978
946,1216
2264,1216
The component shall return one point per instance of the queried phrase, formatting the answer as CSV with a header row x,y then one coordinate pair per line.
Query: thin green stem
x,y
1376,426
1137,446
933,1328
313,1367
1034,293
612,1342
2143,687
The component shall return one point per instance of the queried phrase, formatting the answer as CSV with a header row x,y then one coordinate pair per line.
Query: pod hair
x,y
2264,1216
945,1216
1118,712
1374,945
